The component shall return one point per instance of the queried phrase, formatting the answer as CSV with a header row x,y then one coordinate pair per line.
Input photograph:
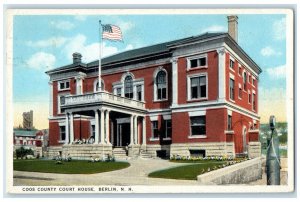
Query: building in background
x,y
28,120
196,96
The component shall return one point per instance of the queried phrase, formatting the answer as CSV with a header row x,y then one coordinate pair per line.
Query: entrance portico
x,y
114,125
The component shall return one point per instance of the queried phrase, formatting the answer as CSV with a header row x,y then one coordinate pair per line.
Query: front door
x,y
123,135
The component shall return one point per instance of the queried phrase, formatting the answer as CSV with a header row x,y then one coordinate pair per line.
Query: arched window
x,y
128,87
96,86
161,84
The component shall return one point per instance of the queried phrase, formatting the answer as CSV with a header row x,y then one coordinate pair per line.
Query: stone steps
x,y
120,153
145,155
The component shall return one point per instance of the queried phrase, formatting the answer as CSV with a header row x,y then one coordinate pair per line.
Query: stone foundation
x,y
81,152
211,148
152,150
133,150
254,149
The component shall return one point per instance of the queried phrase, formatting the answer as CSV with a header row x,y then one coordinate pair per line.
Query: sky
x,y
43,42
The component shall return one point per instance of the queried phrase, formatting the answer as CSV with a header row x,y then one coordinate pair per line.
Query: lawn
x,y
186,172
72,167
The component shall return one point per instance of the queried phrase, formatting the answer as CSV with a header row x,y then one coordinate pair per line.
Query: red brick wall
x,y
238,79
53,133
212,74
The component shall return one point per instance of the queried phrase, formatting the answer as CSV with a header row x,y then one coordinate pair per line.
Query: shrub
x,y
22,152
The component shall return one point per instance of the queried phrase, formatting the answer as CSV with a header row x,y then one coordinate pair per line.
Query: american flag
x,y
111,32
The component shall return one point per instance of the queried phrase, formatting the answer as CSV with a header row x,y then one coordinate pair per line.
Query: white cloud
x,y
63,25
277,72
80,17
279,29
89,52
129,47
41,61
269,51
125,26
53,41
214,28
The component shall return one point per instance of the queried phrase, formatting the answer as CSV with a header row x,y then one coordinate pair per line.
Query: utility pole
x,y
273,158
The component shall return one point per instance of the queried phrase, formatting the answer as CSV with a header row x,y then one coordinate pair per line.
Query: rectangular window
x,y
168,129
198,87
63,85
254,103
231,89
229,122
198,125
245,81
231,64
249,79
240,93
198,62
155,133
62,130
249,98
93,132
253,82
139,92
240,71
119,92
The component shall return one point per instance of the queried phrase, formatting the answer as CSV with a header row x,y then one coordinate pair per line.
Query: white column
x,y
135,130
102,126
174,81
71,128
144,130
134,92
96,127
107,127
67,129
51,98
221,69
112,133
131,130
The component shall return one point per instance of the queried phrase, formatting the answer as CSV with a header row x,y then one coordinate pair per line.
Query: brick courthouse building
x,y
192,96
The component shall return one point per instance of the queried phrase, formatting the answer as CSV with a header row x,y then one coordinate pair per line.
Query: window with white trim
x,y
245,81
155,132
231,64
161,85
97,86
139,92
198,87
240,92
198,125
63,85
253,101
168,128
119,92
249,78
231,89
62,133
128,84
249,98
240,70
61,101
229,122
200,61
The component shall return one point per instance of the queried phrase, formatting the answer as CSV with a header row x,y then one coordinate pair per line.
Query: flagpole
x,y
100,53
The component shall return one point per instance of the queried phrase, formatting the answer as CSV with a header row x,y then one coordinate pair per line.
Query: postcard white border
x,y
161,189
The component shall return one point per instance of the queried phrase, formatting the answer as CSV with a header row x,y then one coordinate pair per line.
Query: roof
x,y
152,50
25,133
139,52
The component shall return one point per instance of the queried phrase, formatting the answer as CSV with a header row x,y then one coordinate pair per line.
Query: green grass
x,y
187,172
196,161
72,167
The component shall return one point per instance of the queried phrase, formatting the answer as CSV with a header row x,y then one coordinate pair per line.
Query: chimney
x,y
76,58
233,26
